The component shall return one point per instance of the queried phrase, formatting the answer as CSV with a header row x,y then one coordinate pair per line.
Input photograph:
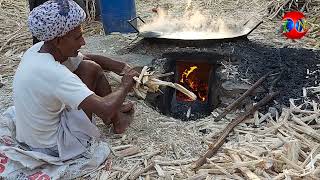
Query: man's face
x,y
70,43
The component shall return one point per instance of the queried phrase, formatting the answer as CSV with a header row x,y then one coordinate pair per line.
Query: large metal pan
x,y
239,32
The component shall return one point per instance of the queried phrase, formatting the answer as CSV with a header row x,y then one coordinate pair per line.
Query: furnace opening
x,y
194,77
196,71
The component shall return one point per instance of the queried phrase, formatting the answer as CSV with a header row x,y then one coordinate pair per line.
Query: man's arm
x,y
105,107
107,63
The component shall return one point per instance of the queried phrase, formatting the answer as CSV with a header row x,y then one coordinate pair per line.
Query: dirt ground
x,y
152,132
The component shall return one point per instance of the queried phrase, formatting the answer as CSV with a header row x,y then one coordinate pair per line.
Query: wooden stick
x,y
241,98
213,149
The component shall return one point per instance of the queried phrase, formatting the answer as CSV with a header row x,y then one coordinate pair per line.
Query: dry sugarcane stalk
x,y
241,98
144,170
148,82
313,153
198,176
219,142
210,171
128,152
131,171
159,170
153,154
232,165
293,150
119,148
135,156
291,164
244,170
115,168
174,163
224,170
282,120
308,131
162,75
146,164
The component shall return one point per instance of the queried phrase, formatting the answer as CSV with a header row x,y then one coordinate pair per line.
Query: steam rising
x,y
192,25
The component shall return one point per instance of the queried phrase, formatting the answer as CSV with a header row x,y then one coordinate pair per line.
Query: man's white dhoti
x,y
74,135
22,163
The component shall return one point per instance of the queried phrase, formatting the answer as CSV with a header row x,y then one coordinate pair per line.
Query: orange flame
x,y
189,77
187,72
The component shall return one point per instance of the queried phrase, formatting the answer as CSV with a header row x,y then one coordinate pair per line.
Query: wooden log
x,y
241,98
219,142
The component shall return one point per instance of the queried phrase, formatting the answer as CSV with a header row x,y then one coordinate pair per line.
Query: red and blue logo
x,y
294,25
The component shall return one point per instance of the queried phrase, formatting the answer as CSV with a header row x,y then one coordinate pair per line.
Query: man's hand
x,y
127,79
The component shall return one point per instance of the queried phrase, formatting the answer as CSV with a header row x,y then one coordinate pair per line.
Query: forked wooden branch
x,y
213,149
241,98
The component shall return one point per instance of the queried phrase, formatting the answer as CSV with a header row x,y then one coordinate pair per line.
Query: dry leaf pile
x,y
310,8
278,7
266,146
14,37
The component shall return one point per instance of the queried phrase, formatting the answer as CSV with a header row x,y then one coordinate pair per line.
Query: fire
x,y
191,79
187,72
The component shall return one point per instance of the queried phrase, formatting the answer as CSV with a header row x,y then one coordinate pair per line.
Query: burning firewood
x,y
148,82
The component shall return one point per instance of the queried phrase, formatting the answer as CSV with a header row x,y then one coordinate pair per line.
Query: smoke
x,y
191,25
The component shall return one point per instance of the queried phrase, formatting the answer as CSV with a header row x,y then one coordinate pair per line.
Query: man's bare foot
x,y
126,107
107,122
122,123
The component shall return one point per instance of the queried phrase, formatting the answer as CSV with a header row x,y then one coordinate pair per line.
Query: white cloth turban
x,y
55,18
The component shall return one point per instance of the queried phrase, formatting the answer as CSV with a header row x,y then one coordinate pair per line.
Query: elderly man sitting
x,y
57,89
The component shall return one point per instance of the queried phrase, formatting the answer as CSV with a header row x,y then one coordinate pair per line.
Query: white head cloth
x,y
55,18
